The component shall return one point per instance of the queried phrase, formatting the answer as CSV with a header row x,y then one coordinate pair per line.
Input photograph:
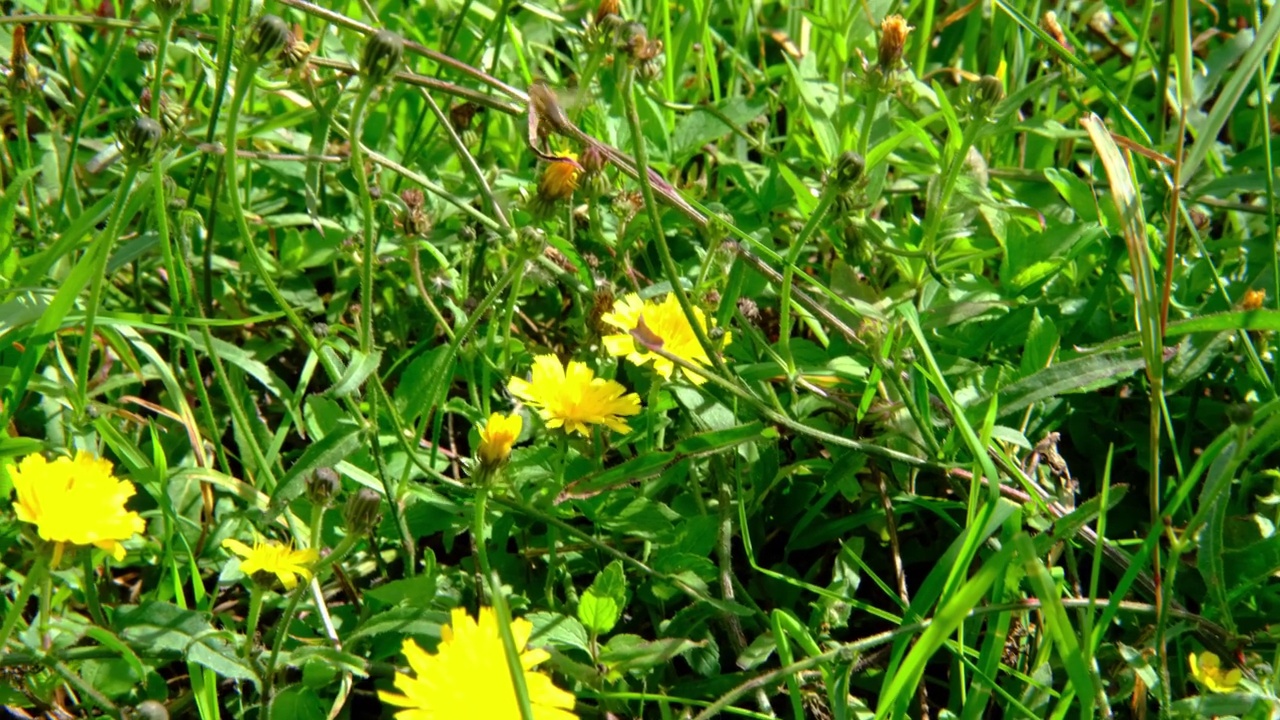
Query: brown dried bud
x,y
24,74
296,50
460,116
893,38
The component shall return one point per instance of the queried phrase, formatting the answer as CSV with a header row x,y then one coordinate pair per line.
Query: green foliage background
x,y
994,435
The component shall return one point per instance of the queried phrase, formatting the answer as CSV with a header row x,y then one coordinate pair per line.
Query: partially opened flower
x,y
573,397
468,676
1208,671
559,179
496,438
662,323
76,501
268,561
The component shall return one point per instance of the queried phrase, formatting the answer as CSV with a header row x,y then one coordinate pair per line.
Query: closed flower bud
x,y
1240,413
139,139
893,38
849,168
497,436
270,35
296,50
323,486
363,511
607,12
146,50
150,710
990,91
171,8
382,53
24,73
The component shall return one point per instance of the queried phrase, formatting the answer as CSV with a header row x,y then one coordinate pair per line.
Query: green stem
x,y
789,273
938,210
24,160
77,125
98,255
162,48
34,578
499,603
256,596
366,206
669,267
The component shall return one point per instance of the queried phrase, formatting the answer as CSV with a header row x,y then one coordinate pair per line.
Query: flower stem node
x,y
363,511
382,53
270,35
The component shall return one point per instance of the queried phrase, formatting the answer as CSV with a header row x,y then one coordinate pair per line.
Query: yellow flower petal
x,y
663,321
468,677
573,397
269,558
496,438
77,501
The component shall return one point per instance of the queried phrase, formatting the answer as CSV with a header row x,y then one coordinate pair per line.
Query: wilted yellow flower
x,y
269,558
893,37
574,397
76,501
496,438
665,323
467,676
559,179
1208,671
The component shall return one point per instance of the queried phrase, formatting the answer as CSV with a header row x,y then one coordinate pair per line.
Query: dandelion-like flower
x,y
1208,671
496,438
663,322
573,397
559,179
268,560
76,501
467,676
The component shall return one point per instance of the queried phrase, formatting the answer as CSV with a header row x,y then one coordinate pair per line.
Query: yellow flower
x,y
1253,299
496,438
76,501
1207,670
268,558
559,179
574,397
665,323
467,676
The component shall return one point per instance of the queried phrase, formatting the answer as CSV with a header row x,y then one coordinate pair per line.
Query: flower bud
x,y
1240,413
270,35
323,485
171,8
363,511
150,710
990,91
1253,299
559,179
296,50
497,436
607,13
849,168
139,139
382,53
24,73
146,50
893,38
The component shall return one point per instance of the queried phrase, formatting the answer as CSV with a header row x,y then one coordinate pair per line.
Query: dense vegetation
x,y
664,360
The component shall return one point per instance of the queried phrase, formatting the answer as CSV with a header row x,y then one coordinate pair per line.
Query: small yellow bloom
x,y
467,676
1207,670
76,501
270,558
496,438
1253,299
559,179
663,321
574,397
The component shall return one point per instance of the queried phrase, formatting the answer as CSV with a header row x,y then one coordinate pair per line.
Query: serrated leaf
x,y
558,631
598,613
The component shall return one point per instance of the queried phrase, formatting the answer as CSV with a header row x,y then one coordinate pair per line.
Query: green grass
x,y
989,421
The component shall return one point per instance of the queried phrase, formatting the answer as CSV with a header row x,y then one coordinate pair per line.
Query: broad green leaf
x,y
601,605
163,628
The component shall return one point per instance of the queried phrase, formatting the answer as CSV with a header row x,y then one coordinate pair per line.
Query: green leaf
x,y
558,630
163,628
1082,374
627,653
601,605
359,370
